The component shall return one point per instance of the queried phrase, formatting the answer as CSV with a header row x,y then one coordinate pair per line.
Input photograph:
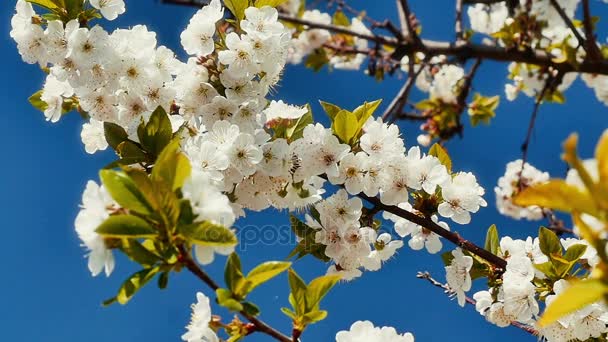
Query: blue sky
x,y
48,294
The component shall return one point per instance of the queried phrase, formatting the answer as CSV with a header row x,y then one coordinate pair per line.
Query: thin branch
x,y
411,30
260,325
399,101
427,223
446,289
526,145
592,49
570,24
403,20
463,50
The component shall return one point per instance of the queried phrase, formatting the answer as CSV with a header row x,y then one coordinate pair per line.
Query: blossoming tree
x,y
199,145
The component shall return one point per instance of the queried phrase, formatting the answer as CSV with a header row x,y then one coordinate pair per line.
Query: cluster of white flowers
x,y
583,324
420,237
198,329
599,84
347,243
515,179
310,39
121,77
530,80
365,331
489,19
516,299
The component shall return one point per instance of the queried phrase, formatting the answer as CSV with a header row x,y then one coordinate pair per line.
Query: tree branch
x,y
570,24
260,325
463,50
412,35
396,106
446,289
592,49
427,223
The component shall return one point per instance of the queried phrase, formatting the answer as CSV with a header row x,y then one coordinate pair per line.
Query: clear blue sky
x,y
48,294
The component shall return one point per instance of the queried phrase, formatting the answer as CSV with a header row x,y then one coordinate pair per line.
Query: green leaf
x,y
331,109
138,253
264,272
547,269
549,242
250,308
315,316
345,126
208,234
237,7
131,153
163,280
37,102
558,195
318,288
124,191
157,133
340,19
297,298
135,282
316,60
48,4
225,299
575,252
447,258
443,156
114,134
289,313
366,110
601,154
296,131
492,241
271,3
577,296
126,226
233,276
171,167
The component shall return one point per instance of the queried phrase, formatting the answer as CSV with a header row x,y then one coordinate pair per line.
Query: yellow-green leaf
x,y
271,3
171,166
208,234
492,241
264,272
601,154
125,226
366,110
441,154
124,191
318,288
331,109
558,195
577,296
237,7
345,126
48,4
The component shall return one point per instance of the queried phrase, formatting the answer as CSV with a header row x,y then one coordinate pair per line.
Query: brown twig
x,y
446,289
260,325
594,52
463,50
427,223
525,147
412,35
399,101
570,24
